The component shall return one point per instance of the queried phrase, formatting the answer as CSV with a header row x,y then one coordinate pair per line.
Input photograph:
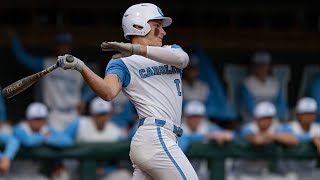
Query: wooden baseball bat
x,y
22,84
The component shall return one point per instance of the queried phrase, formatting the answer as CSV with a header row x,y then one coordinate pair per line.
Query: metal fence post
x,y
88,169
217,171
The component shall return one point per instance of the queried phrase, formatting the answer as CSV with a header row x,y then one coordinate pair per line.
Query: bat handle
x,y
51,68
47,70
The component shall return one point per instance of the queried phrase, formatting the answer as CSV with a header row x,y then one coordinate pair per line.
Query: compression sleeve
x,y
174,56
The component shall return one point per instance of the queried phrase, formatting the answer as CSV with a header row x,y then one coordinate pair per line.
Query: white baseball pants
x,y
156,155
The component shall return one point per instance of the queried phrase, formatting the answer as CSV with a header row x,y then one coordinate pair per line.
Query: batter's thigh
x,y
169,162
172,164
138,174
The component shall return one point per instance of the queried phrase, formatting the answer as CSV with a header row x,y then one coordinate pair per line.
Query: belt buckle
x,y
178,131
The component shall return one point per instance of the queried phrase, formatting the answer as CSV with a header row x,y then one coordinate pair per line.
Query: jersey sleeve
x,y
175,46
246,99
58,139
72,129
11,145
117,66
28,140
3,114
246,131
281,104
286,128
31,62
214,128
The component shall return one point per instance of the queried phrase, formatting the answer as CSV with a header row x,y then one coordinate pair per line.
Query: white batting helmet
x,y
139,15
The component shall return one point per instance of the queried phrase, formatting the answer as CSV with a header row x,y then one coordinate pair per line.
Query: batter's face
x,y
36,124
156,34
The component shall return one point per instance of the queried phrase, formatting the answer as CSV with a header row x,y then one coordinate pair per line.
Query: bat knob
x,y
70,58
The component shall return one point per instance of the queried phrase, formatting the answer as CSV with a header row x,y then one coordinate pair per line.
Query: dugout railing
x,y
89,154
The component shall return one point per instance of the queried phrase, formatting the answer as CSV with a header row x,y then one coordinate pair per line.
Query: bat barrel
x,y
13,89
22,84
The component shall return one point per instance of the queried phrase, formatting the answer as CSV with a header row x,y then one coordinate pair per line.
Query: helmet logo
x,y
159,10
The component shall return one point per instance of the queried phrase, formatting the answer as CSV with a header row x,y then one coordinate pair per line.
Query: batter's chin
x,y
159,44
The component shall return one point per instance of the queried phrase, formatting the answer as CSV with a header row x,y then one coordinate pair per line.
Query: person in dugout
x,y
34,132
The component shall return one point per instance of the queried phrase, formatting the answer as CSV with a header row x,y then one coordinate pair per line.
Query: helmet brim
x,y
166,21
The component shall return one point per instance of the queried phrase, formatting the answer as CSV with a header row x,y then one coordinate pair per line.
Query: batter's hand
x,y
124,49
70,62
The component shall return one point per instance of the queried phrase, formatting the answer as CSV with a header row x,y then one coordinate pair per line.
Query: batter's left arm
x,y
174,56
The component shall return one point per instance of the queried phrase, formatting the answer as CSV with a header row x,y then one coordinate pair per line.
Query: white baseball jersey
x,y
154,88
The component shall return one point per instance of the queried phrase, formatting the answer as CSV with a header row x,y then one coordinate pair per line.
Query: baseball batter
x,y
150,75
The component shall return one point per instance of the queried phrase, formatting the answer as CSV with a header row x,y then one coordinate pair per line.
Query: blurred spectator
x,y
196,127
261,86
202,83
34,132
314,92
305,130
193,88
99,128
60,90
3,113
264,130
124,110
11,146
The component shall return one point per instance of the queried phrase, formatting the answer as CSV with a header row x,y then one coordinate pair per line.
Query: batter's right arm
x,y
106,88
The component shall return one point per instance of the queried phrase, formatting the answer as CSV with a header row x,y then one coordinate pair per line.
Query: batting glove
x,y
70,62
124,49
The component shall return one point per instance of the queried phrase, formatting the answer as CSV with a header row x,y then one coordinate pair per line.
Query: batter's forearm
x,y
171,56
107,89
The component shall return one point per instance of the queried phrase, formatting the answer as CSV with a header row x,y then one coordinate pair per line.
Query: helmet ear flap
x,y
137,29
